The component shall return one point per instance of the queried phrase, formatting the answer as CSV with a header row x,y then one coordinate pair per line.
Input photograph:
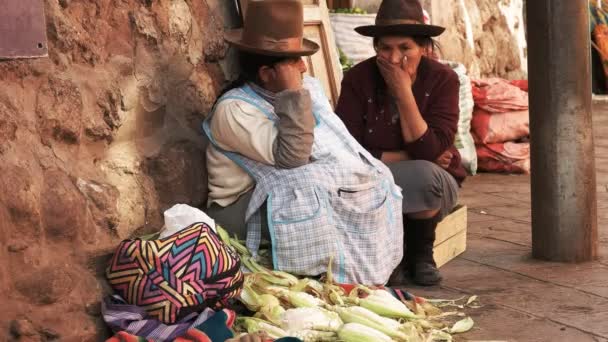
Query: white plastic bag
x,y
464,140
355,46
181,216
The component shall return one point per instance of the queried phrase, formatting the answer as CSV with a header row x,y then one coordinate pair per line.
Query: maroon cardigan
x,y
371,115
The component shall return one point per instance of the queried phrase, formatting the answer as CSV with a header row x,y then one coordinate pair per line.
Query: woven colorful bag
x,y
188,270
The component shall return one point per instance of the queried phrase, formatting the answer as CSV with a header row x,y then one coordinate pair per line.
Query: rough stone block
x,y
63,207
46,285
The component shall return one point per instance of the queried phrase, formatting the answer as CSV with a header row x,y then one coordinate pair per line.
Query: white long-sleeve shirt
x,y
238,126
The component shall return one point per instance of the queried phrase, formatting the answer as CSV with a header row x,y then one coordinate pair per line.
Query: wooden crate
x,y
451,236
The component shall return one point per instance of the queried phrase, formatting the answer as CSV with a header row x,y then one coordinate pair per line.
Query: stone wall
x,y
95,142
486,35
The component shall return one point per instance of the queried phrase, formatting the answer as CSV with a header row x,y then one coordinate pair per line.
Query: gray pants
x,y
232,217
426,186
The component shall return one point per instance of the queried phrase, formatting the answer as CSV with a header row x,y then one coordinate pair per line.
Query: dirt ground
x,y
525,299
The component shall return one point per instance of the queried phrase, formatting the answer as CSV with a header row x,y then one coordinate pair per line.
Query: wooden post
x,y
564,199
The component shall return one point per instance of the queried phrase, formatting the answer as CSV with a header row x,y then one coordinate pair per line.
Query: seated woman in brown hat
x,y
402,106
281,161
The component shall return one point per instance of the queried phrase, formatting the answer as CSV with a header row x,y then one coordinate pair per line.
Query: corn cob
x,y
296,299
303,300
355,314
254,325
355,332
335,297
250,298
310,319
271,312
305,284
315,336
384,304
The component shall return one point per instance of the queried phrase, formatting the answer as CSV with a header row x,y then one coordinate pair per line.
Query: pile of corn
x,y
322,311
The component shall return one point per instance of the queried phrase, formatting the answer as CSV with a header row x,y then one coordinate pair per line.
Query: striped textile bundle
x,y
190,269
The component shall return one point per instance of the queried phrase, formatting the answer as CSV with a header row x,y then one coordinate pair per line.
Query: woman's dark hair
x,y
250,64
422,41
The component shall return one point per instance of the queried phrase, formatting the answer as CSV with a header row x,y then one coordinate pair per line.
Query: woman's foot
x,y
425,273
399,276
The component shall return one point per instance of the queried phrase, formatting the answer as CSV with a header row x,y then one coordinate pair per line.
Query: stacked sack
x,y
501,125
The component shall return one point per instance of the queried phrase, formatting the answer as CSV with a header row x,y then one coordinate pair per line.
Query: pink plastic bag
x,y
496,95
500,127
509,157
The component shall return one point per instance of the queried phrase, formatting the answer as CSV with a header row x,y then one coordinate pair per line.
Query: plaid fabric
x,y
343,205
132,323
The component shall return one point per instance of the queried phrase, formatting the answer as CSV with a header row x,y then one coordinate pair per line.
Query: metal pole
x,y
564,202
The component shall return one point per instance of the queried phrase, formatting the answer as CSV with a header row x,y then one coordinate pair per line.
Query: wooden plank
x,y
22,29
325,64
451,236
451,224
450,248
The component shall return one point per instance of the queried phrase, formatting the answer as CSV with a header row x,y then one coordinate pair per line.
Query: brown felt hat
x,y
273,28
400,17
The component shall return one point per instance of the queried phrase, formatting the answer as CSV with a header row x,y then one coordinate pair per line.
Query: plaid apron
x,y
343,205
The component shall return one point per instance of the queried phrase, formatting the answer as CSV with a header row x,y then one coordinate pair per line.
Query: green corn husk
x,y
335,297
384,304
303,300
256,302
430,309
270,276
268,300
296,299
250,298
370,315
293,280
355,332
412,331
272,313
278,278
297,319
275,280
234,243
252,265
240,248
471,300
355,314
438,335
253,325
462,326
307,284
275,290
262,286
223,234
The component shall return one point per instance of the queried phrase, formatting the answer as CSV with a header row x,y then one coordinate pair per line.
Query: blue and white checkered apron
x,y
343,205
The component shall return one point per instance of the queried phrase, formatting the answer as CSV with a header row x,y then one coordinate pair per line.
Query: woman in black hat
x,y
402,106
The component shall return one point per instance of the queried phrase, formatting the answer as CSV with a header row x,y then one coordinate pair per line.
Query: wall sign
x,y
22,29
